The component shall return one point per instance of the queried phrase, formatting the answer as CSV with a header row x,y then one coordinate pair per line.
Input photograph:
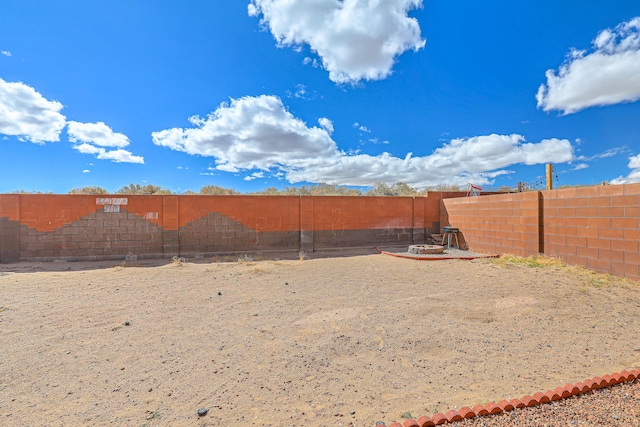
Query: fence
x,y
595,227
84,227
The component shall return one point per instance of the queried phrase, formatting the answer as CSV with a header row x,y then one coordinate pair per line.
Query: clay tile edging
x,y
425,421
517,403
453,416
439,418
480,410
552,395
562,393
541,398
466,412
506,406
529,401
538,398
493,408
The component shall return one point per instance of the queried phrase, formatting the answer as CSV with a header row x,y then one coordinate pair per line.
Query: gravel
x,y
613,406
449,253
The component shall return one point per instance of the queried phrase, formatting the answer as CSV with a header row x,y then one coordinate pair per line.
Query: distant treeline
x,y
380,189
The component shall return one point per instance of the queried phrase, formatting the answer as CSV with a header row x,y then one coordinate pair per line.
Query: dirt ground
x,y
328,342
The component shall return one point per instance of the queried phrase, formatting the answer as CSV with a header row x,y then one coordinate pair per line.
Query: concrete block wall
x,y
211,225
506,223
360,221
595,227
47,227
88,227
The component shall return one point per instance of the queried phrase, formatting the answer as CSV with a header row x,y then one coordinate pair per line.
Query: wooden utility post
x,y
549,176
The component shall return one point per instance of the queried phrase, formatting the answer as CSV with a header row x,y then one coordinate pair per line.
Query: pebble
x,y
202,412
127,323
219,293
602,407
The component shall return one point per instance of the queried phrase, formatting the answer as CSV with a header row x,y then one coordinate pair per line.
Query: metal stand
x,y
447,232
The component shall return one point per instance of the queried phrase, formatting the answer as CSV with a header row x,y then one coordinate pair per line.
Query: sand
x,y
328,342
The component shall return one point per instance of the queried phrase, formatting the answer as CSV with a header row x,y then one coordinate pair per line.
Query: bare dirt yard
x,y
322,342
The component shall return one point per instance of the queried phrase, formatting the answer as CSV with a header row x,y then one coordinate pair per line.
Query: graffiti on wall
x,y
112,204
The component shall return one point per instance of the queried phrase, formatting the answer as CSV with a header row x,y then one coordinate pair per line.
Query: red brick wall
x,y
507,223
595,227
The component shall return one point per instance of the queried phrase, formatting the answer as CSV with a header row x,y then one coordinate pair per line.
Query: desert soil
x,y
328,342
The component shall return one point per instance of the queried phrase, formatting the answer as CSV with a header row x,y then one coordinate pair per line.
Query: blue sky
x,y
252,94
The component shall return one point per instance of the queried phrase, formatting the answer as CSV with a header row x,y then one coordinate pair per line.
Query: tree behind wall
x,y
217,190
89,190
397,189
146,189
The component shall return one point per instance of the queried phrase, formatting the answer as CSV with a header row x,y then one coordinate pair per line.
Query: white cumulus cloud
x,y
355,39
608,75
91,138
478,160
251,133
5,53
255,175
97,134
258,134
25,113
119,156
634,176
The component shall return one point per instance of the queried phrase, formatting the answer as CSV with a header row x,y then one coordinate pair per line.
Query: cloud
x,y
25,113
5,53
302,93
86,171
91,138
251,133
580,166
605,154
255,175
634,176
361,128
313,61
355,39
478,160
608,75
96,133
118,156
259,134
326,124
